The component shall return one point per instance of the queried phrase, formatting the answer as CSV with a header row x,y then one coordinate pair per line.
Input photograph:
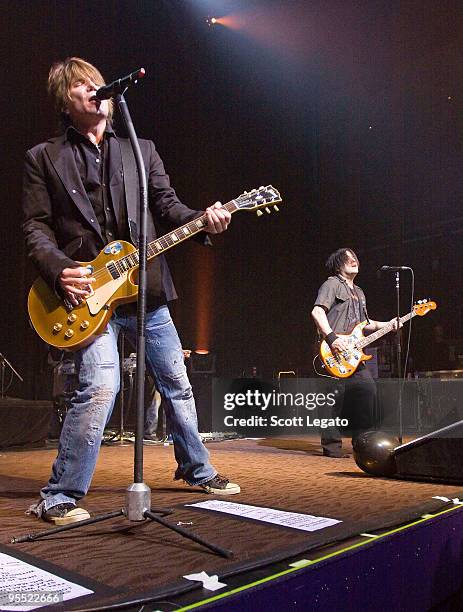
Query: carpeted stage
x,y
122,561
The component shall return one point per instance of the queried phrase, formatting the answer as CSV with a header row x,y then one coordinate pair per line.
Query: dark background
x,y
352,109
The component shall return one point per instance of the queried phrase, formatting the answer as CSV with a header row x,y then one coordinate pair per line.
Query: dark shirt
x,y
92,163
345,307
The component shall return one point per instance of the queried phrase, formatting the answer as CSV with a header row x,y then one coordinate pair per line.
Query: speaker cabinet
x,y
436,456
202,390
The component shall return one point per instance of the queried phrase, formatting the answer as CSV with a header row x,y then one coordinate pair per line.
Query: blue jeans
x,y
93,401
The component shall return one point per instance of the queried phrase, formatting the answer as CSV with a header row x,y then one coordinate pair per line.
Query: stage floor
x,y
121,560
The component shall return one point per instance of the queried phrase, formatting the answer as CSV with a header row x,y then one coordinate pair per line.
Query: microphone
x,y
394,268
118,86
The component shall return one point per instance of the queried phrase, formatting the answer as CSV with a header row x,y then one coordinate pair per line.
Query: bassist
x,y
339,306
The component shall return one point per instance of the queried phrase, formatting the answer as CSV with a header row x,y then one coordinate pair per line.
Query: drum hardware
x,y
127,364
3,364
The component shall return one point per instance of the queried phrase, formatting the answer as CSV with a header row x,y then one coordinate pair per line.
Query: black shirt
x,y
92,163
345,307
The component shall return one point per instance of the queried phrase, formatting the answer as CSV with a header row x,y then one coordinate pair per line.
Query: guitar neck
x,y
383,331
162,244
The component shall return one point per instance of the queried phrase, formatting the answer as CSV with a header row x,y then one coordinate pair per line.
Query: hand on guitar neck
x,y
382,324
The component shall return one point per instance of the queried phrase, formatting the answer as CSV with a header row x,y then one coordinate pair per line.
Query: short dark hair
x,y
336,260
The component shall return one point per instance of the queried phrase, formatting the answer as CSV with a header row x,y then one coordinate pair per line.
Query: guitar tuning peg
x,y
259,213
245,192
267,210
276,208
261,187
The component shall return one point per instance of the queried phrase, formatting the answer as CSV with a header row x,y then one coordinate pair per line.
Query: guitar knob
x,y
84,325
267,210
276,208
259,213
57,327
72,317
69,333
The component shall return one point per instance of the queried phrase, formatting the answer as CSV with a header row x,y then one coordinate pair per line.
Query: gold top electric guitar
x,y
343,365
69,327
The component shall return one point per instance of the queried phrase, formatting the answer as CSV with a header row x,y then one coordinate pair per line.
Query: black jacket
x,y
60,226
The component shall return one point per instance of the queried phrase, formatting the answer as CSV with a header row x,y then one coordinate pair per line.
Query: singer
x,y
76,199
339,306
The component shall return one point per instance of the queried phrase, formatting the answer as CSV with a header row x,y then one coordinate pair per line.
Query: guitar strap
x,y
363,304
131,188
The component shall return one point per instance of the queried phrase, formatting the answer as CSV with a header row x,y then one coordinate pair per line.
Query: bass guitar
x,y
69,327
343,365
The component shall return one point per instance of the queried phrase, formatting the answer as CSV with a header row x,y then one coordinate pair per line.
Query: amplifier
x,y
440,374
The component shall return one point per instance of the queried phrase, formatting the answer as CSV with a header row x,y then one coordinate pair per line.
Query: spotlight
x,y
211,21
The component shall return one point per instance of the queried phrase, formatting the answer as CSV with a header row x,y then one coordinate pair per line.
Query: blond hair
x,y
63,74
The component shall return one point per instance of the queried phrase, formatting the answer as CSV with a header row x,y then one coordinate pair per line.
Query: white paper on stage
x,y
294,520
23,579
211,583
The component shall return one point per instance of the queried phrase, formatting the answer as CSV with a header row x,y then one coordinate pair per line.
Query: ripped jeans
x,y
93,401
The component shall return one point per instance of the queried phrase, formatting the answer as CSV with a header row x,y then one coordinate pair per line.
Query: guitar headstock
x,y
422,307
264,197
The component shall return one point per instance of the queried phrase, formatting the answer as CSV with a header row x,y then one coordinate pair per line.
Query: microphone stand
x,y
138,494
399,355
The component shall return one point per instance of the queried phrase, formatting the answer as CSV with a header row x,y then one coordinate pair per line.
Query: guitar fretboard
x,y
158,246
383,331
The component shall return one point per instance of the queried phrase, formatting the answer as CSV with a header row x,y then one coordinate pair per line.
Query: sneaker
x,y
63,514
147,442
151,438
339,455
220,486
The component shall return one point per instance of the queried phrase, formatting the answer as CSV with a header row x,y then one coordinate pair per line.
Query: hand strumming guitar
x,y
75,283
